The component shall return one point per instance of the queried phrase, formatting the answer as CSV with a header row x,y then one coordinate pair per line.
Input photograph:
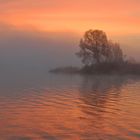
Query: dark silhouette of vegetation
x,y
95,48
101,56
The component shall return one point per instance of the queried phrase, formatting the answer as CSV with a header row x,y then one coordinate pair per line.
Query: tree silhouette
x,y
95,48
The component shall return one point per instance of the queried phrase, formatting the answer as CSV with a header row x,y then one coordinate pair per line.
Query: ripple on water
x,y
74,108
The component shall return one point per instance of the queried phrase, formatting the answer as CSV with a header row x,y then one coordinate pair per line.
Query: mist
x,y
32,50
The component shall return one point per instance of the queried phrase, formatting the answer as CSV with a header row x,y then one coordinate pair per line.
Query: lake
x,y
43,106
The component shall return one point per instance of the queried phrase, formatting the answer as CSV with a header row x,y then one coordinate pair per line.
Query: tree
x,y
95,48
116,54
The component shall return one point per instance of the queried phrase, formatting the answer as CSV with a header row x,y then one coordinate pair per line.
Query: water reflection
x,y
96,90
69,107
103,106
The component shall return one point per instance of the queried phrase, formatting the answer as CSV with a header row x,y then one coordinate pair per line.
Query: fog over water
x,y
38,105
29,49
40,35
34,50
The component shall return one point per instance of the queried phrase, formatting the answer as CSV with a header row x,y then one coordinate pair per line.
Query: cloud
x,y
76,15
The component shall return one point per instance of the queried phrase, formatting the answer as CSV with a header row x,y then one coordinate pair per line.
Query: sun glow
x,y
59,15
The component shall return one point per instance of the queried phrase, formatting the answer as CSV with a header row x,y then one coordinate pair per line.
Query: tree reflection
x,y
96,90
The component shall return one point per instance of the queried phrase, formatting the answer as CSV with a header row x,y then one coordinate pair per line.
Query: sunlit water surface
x,y
69,107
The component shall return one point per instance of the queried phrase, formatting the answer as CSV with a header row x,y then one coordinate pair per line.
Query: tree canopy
x,y
96,48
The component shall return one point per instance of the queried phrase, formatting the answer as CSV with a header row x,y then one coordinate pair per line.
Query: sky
x,y
58,25
121,16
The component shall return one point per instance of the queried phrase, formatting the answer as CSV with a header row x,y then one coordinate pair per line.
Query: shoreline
x,y
100,69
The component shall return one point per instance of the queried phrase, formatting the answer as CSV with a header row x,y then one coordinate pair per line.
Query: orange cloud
x,y
78,15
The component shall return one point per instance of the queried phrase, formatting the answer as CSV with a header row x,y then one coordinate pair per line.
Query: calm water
x,y
69,107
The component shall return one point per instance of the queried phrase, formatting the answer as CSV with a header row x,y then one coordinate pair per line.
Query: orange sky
x,y
118,17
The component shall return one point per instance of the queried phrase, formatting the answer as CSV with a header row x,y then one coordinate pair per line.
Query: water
x,y
69,107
